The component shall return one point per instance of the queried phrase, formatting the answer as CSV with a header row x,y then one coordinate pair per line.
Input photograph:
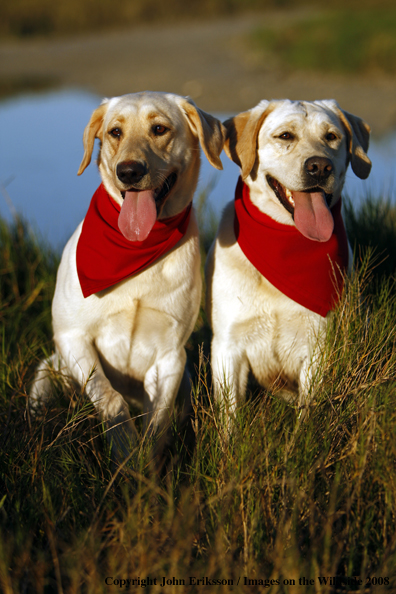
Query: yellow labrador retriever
x,y
128,287
275,269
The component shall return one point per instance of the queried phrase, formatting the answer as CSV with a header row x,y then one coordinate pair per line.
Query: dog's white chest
x,y
276,347
128,342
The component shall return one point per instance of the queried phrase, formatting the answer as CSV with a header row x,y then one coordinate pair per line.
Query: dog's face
x,y
294,156
149,154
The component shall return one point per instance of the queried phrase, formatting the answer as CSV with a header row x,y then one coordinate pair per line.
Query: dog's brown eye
x,y
286,136
330,136
116,132
159,130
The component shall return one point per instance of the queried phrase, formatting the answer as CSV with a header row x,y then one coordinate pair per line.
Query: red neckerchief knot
x,y
309,272
105,257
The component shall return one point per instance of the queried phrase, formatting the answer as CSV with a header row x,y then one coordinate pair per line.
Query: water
x,y
41,149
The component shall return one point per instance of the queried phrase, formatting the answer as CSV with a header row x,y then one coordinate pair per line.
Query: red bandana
x,y
105,257
307,271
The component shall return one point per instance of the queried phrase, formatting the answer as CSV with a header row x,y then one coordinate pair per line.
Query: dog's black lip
x,y
163,193
166,187
328,197
278,190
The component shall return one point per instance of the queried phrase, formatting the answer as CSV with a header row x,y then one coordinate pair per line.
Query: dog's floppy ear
x,y
358,137
210,131
358,133
242,133
93,130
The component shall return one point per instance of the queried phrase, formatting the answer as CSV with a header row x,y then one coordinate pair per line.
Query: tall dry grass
x,y
282,499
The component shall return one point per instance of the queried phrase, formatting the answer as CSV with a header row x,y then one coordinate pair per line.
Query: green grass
x,y
344,40
281,499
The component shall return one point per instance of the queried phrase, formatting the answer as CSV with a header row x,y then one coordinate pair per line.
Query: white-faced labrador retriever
x,y
128,287
274,270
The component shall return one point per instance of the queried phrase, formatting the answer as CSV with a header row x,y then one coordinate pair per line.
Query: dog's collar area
x,y
161,193
285,196
309,272
102,264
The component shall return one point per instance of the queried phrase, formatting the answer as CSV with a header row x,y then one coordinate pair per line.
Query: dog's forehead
x,y
144,105
301,114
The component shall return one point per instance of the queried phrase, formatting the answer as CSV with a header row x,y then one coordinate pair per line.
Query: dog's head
x,y
294,156
149,154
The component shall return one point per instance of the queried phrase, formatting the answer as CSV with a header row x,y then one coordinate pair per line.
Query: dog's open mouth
x,y
310,209
160,193
285,196
140,209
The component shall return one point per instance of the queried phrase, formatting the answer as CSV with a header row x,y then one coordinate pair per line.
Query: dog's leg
x,y
43,383
309,370
161,384
85,368
230,374
304,388
306,384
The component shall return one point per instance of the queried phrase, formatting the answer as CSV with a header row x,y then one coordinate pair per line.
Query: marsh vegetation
x,y
281,499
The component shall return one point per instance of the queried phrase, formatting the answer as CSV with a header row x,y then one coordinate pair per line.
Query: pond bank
x,y
210,61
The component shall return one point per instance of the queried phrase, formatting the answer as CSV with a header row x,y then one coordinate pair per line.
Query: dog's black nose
x,y
131,172
318,167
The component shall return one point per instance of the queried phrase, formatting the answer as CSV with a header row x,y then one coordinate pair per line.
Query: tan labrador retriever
x,y
262,300
125,342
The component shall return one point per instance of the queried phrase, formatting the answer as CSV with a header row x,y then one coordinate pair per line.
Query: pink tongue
x,y
138,215
312,216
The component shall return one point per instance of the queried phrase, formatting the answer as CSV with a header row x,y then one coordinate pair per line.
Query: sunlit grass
x,y
279,499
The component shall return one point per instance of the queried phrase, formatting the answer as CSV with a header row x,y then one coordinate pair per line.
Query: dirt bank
x,y
210,61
